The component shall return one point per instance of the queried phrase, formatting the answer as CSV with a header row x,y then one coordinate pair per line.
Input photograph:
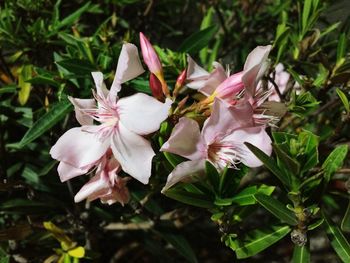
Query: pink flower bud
x,y
150,56
180,81
156,87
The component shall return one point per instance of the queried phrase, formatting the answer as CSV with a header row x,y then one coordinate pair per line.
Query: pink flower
x,y
106,184
221,84
122,123
152,61
220,142
281,80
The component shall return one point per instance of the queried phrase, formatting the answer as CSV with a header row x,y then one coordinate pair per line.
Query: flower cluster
x,y
112,134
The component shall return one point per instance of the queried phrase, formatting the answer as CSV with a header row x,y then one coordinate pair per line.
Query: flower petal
x,y
254,135
79,148
134,153
230,87
216,77
67,171
79,106
141,113
225,118
185,140
185,172
255,67
129,65
101,89
93,188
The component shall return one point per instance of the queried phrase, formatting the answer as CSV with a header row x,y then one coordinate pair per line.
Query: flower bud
x,y
152,61
180,81
156,87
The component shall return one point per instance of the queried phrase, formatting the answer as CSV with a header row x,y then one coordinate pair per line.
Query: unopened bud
x,y
149,55
156,87
180,81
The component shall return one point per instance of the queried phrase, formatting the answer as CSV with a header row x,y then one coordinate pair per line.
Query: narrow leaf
x,y
198,40
269,163
70,19
189,198
344,99
276,208
305,15
334,161
341,48
337,239
345,223
46,122
301,254
24,75
260,239
181,245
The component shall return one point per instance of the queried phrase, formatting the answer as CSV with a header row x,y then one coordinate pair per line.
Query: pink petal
x,y
195,74
93,188
231,86
141,113
67,171
79,148
134,153
225,118
216,77
79,106
149,55
254,135
255,67
129,64
185,172
99,84
185,140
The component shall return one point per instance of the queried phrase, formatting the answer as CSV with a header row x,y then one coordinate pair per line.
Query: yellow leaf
x,y
77,252
24,74
59,234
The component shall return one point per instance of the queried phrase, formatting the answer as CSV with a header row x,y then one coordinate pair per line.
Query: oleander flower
x,y
121,125
105,184
220,142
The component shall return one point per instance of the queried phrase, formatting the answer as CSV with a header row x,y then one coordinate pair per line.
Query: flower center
x,y
223,154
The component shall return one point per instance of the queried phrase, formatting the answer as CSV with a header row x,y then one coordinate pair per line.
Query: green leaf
x,y
337,239
25,87
269,163
43,80
77,66
47,121
206,22
198,40
344,99
212,175
301,254
290,164
185,197
5,259
259,239
276,208
334,161
181,245
341,48
141,85
345,223
305,15
70,19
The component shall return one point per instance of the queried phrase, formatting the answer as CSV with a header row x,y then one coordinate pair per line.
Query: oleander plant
x,y
174,131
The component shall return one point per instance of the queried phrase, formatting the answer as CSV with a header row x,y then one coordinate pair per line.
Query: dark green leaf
x,y
260,239
337,239
189,198
345,223
276,208
290,164
334,161
46,122
77,66
212,175
198,40
341,49
181,245
269,163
